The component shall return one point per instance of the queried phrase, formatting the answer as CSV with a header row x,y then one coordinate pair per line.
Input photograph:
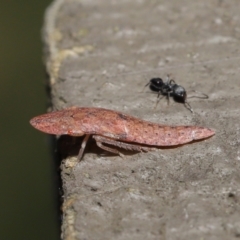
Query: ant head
x,y
156,84
179,94
156,81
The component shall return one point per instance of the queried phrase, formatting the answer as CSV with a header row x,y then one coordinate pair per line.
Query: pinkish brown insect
x,y
117,129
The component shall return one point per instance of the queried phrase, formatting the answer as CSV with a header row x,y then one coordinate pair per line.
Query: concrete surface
x,y
101,54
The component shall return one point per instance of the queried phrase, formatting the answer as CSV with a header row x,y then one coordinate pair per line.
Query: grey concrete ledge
x,y
101,54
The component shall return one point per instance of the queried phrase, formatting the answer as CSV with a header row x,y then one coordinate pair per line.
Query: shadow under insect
x,y
69,146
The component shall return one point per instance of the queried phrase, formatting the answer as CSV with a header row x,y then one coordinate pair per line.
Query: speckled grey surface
x,y
101,54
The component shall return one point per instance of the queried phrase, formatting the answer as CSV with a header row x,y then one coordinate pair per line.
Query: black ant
x,y
170,89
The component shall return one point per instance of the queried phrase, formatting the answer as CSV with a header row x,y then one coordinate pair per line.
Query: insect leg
x,y
159,97
127,146
84,143
100,140
167,78
171,82
187,105
168,97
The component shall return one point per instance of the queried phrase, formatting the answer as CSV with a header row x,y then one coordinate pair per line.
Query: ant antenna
x,y
146,84
167,78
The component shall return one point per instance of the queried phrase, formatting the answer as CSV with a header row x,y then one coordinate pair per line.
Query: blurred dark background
x,y
28,197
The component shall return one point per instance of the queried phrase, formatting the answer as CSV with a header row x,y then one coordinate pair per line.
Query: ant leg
x,y
172,81
159,93
167,78
168,97
83,145
187,105
159,97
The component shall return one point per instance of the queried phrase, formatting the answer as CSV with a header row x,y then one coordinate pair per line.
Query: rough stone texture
x,y
101,54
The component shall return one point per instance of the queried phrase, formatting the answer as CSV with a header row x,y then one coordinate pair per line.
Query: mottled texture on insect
x,y
116,128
